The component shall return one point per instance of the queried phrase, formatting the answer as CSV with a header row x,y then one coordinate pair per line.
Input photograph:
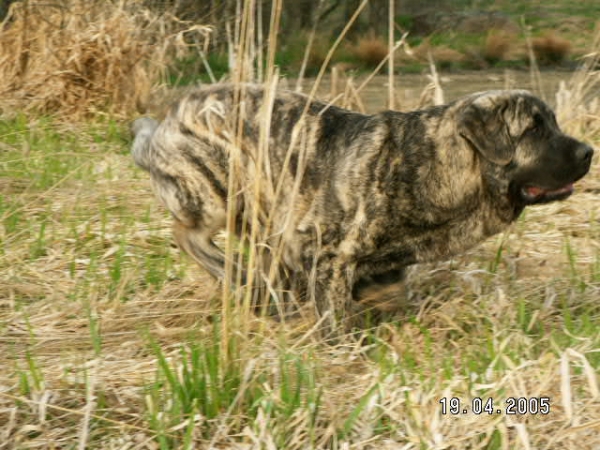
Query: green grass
x,y
555,11
198,385
51,203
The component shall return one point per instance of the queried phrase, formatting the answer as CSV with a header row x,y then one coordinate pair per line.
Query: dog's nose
x,y
584,153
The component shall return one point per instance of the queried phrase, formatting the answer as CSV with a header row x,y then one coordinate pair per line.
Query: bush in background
x,y
369,50
497,46
551,49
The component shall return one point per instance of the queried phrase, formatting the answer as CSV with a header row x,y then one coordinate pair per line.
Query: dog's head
x,y
519,132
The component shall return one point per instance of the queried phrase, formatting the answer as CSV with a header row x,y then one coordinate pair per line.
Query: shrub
x,y
497,46
550,48
443,55
370,50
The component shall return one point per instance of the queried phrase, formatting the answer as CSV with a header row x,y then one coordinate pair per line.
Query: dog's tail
x,y
143,129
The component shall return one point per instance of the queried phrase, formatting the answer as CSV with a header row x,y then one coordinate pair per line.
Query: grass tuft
x,y
369,50
497,46
551,48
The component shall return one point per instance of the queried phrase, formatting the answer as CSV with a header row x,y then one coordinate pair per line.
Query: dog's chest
x,y
399,240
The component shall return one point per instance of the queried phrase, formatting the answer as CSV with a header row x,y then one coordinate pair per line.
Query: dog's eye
x,y
538,122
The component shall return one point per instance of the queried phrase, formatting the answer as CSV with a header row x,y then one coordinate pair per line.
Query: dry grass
x,y
551,48
370,50
498,45
81,57
111,339
441,54
577,102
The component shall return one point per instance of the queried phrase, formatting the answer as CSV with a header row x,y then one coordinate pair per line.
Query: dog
x,y
351,199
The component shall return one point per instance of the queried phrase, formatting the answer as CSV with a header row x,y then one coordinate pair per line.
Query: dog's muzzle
x,y
534,194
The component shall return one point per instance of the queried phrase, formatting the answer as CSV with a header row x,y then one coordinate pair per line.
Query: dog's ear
x,y
487,131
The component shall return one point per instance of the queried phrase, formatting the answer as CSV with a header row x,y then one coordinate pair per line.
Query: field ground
x,y
111,339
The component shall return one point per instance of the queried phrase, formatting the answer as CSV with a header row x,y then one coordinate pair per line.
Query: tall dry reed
x,y
81,57
577,101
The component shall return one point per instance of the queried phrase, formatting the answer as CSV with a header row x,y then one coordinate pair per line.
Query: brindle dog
x,y
352,199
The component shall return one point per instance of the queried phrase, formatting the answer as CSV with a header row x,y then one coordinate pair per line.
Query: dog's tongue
x,y
535,191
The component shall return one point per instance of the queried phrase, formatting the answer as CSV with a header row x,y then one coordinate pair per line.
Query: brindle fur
x,y
374,193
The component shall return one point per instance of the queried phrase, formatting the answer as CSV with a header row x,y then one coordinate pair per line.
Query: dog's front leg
x,y
340,314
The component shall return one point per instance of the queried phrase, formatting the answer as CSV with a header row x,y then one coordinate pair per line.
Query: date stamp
x,y
512,406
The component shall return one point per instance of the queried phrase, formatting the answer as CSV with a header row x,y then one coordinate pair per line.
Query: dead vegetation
x,y
551,48
498,44
81,57
370,50
441,54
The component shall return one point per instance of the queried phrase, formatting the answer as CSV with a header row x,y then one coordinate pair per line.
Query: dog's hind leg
x,y
198,243
187,174
198,218
197,212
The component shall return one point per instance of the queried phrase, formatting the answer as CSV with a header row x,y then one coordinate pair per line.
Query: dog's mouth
x,y
538,194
